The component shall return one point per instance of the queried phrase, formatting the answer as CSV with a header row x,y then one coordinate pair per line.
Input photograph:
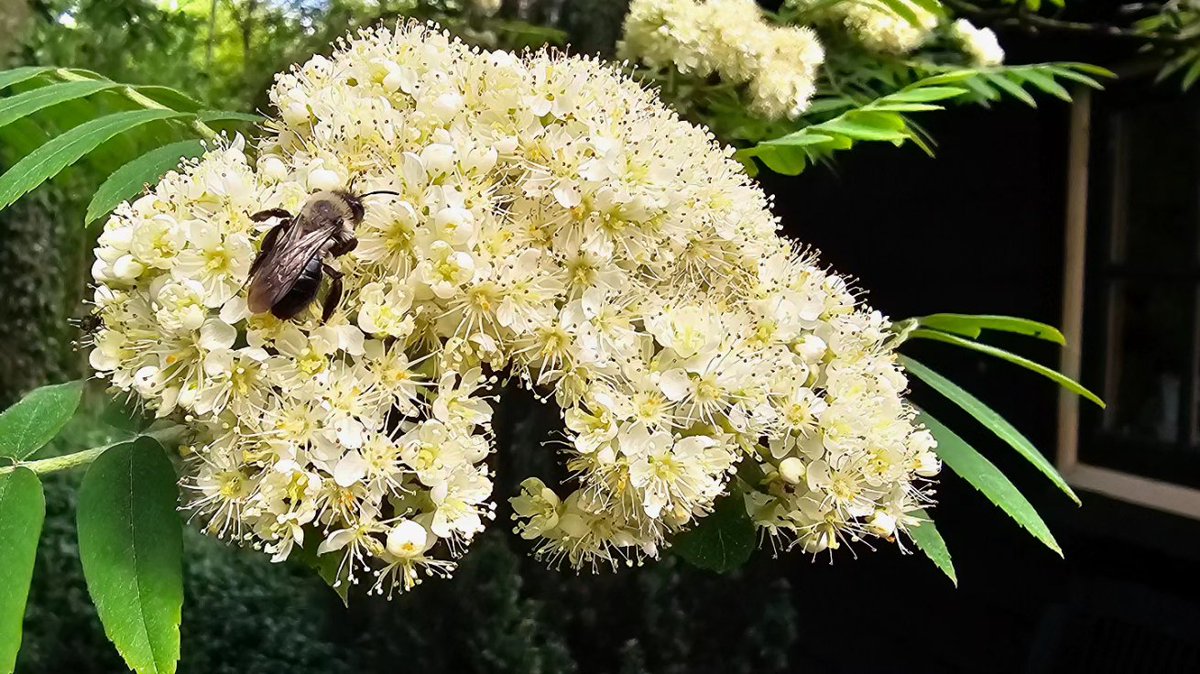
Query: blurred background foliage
x,y
504,612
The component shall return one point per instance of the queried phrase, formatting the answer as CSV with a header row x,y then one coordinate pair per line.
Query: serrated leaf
x,y
971,325
720,542
782,160
1053,375
1189,78
35,419
1075,76
131,546
18,75
828,104
129,180
907,107
971,466
335,574
982,89
990,419
172,98
925,94
62,151
22,510
1046,83
930,542
29,102
1012,89
328,566
799,139
859,131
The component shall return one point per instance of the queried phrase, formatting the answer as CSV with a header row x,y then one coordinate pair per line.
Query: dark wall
x,y
979,229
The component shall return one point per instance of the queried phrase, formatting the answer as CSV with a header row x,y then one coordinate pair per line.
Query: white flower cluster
x,y
979,44
875,25
732,39
553,221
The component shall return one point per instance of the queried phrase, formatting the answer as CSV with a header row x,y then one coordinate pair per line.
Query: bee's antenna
x,y
395,194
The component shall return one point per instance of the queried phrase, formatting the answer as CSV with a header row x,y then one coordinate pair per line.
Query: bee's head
x,y
356,203
353,204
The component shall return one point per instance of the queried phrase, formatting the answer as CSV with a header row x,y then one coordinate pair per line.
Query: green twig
x,y
166,436
55,464
133,95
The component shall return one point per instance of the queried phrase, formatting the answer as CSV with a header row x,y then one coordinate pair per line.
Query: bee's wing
x,y
277,271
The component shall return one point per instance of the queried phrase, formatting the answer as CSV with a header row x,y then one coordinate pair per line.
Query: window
x,y
1132,297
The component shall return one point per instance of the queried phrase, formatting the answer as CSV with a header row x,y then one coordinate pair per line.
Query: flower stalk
x,y
133,95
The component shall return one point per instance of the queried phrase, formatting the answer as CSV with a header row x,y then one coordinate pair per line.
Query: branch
x,y
164,436
133,95
1034,23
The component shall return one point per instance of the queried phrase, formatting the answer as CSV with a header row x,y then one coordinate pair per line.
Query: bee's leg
x,y
268,243
271,213
335,293
343,242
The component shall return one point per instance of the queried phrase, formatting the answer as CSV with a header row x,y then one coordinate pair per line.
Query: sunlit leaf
x,y
27,103
129,180
62,151
18,75
930,541
980,473
989,418
131,545
22,509
34,420
1053,375
971,325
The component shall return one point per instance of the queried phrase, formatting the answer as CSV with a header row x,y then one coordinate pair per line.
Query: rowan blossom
x,y
553,222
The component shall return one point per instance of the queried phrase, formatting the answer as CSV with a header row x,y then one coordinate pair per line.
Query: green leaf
x,y
1189,78
722,541
129,180
229,116
328,566
1075,76
1046,83
28,425
29,102
925,94
1011,88
930,541
799,139
783,161
62,151
984,476
902,9
970,325
852,128
172,98
131,545
1053,375
18,75
22,509
336,575
991,419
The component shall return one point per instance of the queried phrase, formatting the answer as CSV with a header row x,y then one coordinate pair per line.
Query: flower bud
x,y
407,539
791,470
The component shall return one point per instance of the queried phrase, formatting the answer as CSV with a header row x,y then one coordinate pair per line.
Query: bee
x,y
287,273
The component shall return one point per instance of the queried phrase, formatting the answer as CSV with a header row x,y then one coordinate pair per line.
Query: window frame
x,y
1124,486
